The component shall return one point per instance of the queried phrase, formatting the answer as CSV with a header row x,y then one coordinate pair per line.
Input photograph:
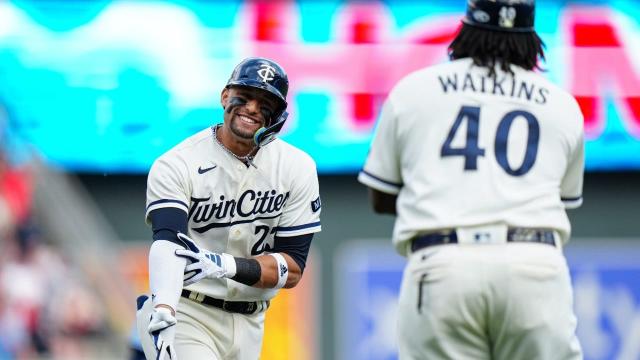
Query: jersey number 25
x,y
471,151
261,245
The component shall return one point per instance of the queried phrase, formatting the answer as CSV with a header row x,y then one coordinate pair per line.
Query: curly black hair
x,y
488,48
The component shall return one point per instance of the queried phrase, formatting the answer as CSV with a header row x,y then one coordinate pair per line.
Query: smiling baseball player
x,y
234,209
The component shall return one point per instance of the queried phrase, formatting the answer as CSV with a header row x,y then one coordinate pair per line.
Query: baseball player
x,y
234,209
478,158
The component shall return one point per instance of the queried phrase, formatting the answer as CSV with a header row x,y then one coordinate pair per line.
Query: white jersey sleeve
x,y
168,185
571,185
301,214
382,170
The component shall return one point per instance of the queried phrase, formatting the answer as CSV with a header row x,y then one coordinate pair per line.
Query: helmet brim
x,y
271,90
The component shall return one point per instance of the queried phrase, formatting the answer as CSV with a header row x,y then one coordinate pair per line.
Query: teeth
x,y
247,119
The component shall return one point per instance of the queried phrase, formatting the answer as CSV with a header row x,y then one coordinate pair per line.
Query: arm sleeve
x,y
167,206
167,222
165,273
168,185
382,167
301,214
295,246
571,186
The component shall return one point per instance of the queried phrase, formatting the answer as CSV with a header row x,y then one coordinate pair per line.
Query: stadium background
x,y
92,91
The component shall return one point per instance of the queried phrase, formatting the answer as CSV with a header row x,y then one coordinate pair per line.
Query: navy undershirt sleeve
x,y
166,222
295,246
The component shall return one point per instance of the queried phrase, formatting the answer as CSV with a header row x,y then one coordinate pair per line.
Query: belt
x,y
514,234
238,307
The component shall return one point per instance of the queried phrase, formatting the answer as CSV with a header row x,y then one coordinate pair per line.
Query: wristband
x,y
230,265
283,270
248,271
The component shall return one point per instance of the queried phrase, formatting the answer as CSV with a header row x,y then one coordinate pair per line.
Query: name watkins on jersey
x,y
248,205
505,86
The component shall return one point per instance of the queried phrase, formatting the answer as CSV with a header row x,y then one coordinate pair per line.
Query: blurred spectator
x,y
6,218
15,207
15,195
15,177
45,308
13,333
26,277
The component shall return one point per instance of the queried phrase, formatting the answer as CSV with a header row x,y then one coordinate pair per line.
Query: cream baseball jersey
x,y
450,132
233,208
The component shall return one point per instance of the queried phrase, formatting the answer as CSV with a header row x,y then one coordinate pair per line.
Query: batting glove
x,y
163,331
204,264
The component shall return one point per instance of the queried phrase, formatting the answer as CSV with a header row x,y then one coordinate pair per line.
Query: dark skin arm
x,y
382,203
269,275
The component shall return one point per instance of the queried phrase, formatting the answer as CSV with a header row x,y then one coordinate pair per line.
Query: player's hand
x,y
163,331
202,263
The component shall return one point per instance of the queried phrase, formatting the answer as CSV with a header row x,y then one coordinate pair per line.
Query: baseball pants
x,y
491,301
205,332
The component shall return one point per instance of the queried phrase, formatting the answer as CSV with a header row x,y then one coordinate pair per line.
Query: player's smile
x,y
244,125
249,120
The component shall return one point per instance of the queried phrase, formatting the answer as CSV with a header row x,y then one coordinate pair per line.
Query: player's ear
x,y
224,97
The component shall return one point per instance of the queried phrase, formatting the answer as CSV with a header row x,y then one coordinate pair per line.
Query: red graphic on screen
x,y
601,67
363,29
362,65
370,57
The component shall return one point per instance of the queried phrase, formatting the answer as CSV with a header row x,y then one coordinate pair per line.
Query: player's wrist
x,y
248,271
165,307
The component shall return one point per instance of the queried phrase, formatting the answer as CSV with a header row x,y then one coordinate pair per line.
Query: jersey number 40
x,y
471,151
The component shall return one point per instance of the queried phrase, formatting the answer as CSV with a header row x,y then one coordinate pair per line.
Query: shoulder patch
x,y
316,204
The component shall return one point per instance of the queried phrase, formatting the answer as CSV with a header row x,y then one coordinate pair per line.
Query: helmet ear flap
x,y
265,135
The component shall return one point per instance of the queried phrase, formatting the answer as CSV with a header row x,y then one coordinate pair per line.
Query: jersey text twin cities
x,y
505,86
248,204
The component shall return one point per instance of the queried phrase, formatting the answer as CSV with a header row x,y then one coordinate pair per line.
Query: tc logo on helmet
x,y
266,72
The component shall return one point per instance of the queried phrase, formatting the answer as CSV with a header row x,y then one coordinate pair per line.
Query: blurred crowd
x,y
45,303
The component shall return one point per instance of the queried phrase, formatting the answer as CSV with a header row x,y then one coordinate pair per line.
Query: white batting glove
x,y
204,264
163,331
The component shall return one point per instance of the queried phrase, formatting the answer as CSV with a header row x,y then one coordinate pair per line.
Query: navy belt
x,y
514,234
238,307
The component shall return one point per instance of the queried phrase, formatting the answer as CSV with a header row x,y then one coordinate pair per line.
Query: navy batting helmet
x,y
501,15
265,74
262,74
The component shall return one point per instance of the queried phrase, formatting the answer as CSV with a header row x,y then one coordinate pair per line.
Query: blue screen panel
x,y
93,86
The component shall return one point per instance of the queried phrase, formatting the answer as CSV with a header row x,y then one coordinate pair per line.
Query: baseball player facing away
x,y
234,209
478,158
